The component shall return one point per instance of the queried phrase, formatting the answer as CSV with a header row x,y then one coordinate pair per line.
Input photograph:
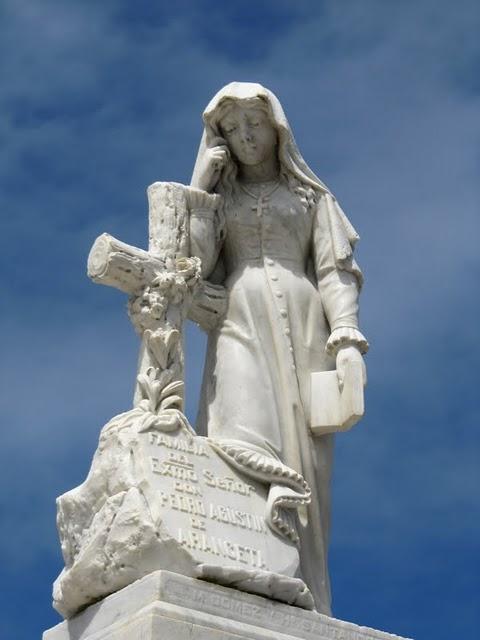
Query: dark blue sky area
x,y
100,99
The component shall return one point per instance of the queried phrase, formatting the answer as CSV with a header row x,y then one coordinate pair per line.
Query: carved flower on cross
x,y
169,287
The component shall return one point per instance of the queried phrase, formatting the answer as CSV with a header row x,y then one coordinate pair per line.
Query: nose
x,y
245,133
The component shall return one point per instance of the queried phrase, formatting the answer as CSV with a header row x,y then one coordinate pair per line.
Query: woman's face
x,y
250,135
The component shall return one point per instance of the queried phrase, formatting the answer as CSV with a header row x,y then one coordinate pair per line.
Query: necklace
x,y
262,194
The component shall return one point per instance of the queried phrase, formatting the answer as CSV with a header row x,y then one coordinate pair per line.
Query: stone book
x,y
335,408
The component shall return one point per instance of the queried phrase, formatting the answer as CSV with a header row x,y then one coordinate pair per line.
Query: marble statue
x,y
258,252
283,249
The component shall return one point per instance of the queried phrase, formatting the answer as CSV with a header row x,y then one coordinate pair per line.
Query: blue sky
x,y
98,100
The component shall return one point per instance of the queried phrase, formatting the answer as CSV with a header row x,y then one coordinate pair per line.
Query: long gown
x,y
285,296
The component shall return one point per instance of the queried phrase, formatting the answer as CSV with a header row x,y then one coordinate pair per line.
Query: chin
x,y
251,161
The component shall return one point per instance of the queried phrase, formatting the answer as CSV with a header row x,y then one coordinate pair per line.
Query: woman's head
x,y
248,130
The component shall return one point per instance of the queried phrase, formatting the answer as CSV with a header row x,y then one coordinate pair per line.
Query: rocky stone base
x,y
168,606
170,501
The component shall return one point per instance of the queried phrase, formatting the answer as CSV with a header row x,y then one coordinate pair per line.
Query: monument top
x,y
258,251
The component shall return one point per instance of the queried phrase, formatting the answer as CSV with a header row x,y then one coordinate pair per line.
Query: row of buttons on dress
x,y
279,295
262,209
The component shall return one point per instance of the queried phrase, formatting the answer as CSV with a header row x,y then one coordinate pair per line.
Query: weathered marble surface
x,y
167,606
249,507
156,500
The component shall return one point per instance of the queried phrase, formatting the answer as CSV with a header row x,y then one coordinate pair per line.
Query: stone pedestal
x,y
168,606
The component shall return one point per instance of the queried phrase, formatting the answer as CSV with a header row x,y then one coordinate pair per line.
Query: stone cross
x,y
161,283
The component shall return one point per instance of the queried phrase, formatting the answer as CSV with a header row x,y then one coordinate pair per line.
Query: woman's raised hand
x,y
215,159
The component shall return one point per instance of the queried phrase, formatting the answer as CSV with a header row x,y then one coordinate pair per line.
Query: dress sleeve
x,y
206,228
338,276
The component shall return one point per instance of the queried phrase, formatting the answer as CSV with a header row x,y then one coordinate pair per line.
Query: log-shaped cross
x,y
160,283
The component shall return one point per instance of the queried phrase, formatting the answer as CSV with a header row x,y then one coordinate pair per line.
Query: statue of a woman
x,y
283,249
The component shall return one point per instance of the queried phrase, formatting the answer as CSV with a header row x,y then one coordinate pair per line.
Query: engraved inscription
x,y
173,469
186,504
236,517
197,523
179,444
227,484
219,516
231,550
186,487
217,512
270,614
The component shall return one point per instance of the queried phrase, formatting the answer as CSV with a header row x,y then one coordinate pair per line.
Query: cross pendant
x,y
261,206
